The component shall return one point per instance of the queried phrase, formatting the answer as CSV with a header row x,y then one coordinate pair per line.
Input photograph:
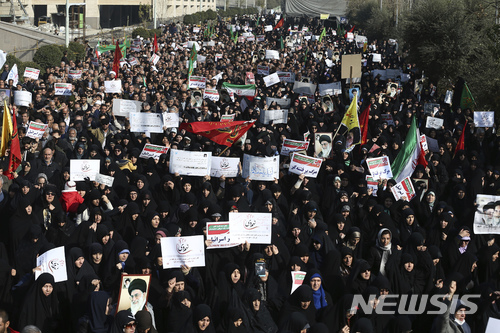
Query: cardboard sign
x,y
63,89
351,66
303,164
260,168
380,167
123,107
36,130
197,82
219,234
290,146
224,166
104,179
31,73
179,251
113,87
433,122
170,119
145,122
275,116
22,98
481,118
190,163
255,228
153,151
54,263
271,80
81,169
404,190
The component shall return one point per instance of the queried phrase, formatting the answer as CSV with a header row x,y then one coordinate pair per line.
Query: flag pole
x,y
223,151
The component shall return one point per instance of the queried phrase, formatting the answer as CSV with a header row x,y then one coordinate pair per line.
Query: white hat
x,y
112,72
70,186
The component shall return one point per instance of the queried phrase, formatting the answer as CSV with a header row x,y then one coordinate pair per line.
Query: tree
x,y
376,23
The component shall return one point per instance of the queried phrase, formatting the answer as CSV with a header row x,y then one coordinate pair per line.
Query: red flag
x,y
363,124
279,24
461,141
350,30
155,44
224,133
15,150
116,60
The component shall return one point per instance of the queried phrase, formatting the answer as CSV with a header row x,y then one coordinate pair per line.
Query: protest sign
x,y
53,262
404,190
145,122
376,57
276,116
22,98
31,73
481,118
290,145
137,285
249,78
261,38
196,29
219,234
152,151
303,164
286,76
423,142
4,93
113,87
170,119
81,169
282,102
486,217
228,117
224,166
268,28
373,184
304,88
197,82
493,325
334,88
271,80
63,89
211,94
123,107
433,122
431,108
262,70
432,144
183,251
351,66
104,179
379,167
154,59
190,163
254,228
260,168
133,61
36,130
297,280
75,74
388,118
272,54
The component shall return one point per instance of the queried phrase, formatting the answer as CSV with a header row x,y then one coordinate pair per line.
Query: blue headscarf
x,y
319,295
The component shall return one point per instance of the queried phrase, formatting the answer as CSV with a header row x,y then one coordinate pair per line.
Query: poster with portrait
x,y
392,89
353,92
484,118
197,98
323,145
4,95
134,291
327,104
487,215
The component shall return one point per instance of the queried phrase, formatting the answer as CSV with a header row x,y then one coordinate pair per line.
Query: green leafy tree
x,y
48,56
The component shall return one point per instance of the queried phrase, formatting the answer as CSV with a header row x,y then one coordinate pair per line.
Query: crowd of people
x,y
349,240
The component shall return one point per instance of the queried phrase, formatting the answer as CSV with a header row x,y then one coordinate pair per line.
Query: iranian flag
x,y
410,155
241,90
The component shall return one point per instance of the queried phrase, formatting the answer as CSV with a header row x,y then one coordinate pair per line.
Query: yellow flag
x,y
350,120
6,129
324,16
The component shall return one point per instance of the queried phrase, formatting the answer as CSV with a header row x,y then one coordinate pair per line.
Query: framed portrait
x,y
134,291
323,145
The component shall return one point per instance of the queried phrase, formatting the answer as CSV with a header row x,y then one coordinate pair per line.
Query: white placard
x,y
304,88
262,70
170,119
31,73
153,151
211,94
36,130
373,184
286,76
423,142
388,118
201,59
113,87
190,163
284,103
493,325
290,145
75,74
403,190
380,167
123,107
433,122
179,251
481,118
303,164
272,54
268,28
260,168
255,228
154,59
145,122
224,166
53,262
276,116
104,179
196,29
22,98
261,38
197,82
297,280
219,234
63,89
271,79
81,169
334,88
377,57
133,61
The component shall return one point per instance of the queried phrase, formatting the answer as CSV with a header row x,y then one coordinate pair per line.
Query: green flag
x,y
281,42
467,101
192,59
323,34
305,56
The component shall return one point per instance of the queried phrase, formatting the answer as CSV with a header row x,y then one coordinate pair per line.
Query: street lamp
x,y
66,32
